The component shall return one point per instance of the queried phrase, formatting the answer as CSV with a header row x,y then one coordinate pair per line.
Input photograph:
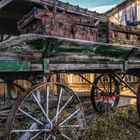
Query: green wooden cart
x,y
52,110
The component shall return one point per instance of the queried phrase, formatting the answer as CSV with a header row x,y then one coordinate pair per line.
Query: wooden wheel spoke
x,y
47,99
103,84
58,105
29,130
47,137
32,138
30,116
68,118
68,101
70,126
46,115
65,136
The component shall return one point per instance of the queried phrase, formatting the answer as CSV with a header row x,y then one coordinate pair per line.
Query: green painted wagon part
x,y
14,66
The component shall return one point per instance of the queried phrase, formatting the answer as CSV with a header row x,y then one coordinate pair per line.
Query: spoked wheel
x,y
105,93
51,111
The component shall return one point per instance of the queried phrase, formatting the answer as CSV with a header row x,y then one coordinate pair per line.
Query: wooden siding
x,y
125,11
138,9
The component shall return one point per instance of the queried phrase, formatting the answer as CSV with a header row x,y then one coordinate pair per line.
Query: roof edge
x,y
110,12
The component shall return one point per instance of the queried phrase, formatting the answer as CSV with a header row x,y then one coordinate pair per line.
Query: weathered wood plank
x,y
56,46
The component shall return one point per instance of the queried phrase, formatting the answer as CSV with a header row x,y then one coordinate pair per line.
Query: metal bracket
x,y
46,65
125,65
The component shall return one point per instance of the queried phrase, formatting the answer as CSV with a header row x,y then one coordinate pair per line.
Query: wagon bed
x,y
42,53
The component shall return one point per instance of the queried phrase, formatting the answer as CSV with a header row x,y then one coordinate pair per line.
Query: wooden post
x,y
109,35
58,80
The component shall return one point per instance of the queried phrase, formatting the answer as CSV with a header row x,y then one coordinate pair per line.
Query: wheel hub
x,y
56,130
48,126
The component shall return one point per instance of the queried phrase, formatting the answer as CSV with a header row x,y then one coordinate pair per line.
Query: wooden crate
x,y
63,17
58,24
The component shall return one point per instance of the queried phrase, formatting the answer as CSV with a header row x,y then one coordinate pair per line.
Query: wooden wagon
x,y
53,109
50,110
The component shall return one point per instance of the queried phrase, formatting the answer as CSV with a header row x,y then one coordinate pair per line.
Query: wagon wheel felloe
x,y
9,96
14,90
51,111
138,100
105,93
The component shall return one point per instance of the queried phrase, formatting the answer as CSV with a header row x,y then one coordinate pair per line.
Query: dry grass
x,y
123,124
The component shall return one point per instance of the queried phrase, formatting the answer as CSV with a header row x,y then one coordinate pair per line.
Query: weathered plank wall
x,y
119,34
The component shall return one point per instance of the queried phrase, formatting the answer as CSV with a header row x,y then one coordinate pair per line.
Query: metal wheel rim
x,y
4,113
138,101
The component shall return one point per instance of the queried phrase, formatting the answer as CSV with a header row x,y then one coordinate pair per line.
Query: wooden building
x,y
124,24
126,13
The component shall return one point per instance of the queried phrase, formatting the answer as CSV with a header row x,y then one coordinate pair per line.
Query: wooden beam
x,y
97,23
71,8
126,31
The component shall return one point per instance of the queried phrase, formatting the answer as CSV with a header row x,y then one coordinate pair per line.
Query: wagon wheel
x,y
47,115
105,93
